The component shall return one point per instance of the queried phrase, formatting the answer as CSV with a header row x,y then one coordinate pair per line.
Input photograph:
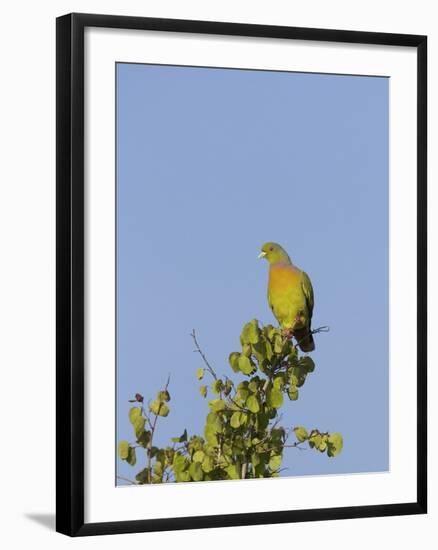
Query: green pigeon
x,y
290,295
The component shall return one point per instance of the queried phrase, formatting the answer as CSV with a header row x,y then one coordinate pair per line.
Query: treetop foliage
x,y
242,437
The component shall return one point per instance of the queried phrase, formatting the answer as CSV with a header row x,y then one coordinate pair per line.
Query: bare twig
x,y
296,445
324,328
279,418
143,410
243,409
127,480
153,426
168,475
201,353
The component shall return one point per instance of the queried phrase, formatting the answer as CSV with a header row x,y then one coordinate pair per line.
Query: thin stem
x,y
153,426
294,445
243,409
297,445
146,416
127,480
201,353
324,328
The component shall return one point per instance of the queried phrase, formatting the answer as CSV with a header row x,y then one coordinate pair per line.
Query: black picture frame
x,y
70,273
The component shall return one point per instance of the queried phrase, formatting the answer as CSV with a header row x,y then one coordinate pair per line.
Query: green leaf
x,y
203,390
123,449
214,421
233,359
247,350
278,344
269,331
181,438
207,464
307,363
259,470
274,398
159,408
295,371
269,350
217,386
293,356
242,392
293,377
195,443
158,468
255,459
195,471
182,476
259,350
315,439
245,365
163,395
277,434
253,404
180,463
131,458
293,393
153,451
233,470
164,410
301,433
334,444
275,462
144,438
142,476
200,373
235,420
134,413
217,405
198,456
228,387
138,426
250,333
278,382
262,421
210,435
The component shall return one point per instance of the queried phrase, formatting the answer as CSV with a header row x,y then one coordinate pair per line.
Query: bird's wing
x,y
270,300
306,285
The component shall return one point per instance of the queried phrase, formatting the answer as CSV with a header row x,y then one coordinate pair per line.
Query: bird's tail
x,y
304,339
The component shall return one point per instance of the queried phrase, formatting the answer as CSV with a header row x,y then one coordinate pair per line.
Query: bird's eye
x,y
271,248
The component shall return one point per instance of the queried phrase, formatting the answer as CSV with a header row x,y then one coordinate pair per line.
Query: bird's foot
x,y
288,333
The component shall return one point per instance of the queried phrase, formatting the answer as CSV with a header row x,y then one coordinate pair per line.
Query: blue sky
x,y
212,163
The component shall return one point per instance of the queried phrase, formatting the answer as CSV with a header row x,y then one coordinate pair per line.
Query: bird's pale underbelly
x,y
289,309
286,297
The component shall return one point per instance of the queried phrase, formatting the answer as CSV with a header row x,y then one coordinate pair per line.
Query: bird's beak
x,y
261,255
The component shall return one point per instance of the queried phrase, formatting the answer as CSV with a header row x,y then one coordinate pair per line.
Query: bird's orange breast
x,y
281,278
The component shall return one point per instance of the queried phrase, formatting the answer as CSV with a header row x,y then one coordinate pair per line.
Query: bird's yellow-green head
x,y
274,253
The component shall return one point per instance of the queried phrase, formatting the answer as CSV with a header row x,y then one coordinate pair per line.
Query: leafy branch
x,y
242,437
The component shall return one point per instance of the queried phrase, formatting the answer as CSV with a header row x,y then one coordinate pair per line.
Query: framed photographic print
x,y
241,274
